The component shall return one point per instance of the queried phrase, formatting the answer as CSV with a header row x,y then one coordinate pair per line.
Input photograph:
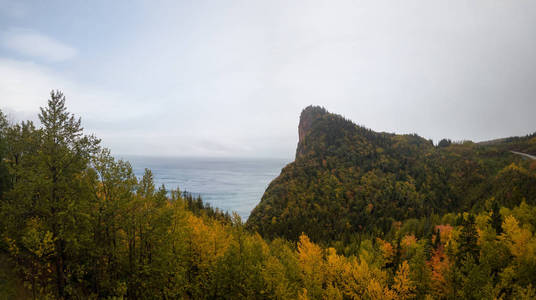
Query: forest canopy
x,y
76,223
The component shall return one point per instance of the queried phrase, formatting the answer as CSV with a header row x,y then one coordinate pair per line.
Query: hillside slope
x,y
347,179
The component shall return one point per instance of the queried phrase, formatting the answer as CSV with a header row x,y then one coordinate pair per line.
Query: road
x,y
525,155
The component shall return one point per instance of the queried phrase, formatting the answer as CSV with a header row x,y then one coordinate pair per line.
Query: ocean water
x,y
230,184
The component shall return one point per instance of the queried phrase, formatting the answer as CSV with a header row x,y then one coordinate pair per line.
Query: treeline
x,y
200,208
77,224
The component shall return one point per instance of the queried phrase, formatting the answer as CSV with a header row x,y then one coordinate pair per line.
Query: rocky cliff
x,y
347,179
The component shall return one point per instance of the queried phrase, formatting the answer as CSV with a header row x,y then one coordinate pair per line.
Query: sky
x,y
230,78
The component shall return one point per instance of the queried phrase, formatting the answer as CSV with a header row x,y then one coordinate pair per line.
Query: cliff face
x,y
348,179
308,116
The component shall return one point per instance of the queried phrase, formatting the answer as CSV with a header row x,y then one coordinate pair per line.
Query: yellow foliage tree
x,y
388,252
403,286
310,257
519,240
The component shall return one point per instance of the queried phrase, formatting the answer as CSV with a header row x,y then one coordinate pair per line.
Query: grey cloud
x,y
237,74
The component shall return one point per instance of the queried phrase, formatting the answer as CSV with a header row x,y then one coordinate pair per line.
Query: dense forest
x,y
358,215
348,181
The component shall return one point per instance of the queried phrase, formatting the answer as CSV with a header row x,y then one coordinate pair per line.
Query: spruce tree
x,y
437,241
48,194
65,153
496,218
468,247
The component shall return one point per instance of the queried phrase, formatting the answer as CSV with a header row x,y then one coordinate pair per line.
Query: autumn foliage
x,y
75,223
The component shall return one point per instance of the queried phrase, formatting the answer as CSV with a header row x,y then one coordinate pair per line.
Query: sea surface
x,y
230,184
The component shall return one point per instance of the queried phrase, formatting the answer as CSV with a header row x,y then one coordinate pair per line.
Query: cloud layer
x,y
33,44
230,78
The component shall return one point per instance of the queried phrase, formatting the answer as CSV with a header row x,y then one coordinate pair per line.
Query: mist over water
x,y
230,184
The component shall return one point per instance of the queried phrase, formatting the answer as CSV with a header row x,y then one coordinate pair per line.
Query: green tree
x,y
48,186
113,186
496,219
444,143
4,173
468,247
63,157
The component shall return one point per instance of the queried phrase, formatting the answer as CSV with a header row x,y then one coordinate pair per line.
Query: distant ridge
x,y
493,142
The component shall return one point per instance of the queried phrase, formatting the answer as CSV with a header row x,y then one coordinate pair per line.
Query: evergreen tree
x,y
468,248
437,241
64,155
48,186
444,143
429,245
496,218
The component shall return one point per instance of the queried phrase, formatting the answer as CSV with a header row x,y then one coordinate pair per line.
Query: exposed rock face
x,y
308,116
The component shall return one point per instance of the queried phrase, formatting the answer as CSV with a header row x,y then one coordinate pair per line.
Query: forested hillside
x,y
75,223
348,180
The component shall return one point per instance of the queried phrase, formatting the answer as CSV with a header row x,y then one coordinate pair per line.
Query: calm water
x,y
230,184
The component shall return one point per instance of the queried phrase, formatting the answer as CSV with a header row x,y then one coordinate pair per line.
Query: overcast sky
x,y
229,78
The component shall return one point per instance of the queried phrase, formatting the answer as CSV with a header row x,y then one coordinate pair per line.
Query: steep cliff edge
x,y
308,116
348,179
